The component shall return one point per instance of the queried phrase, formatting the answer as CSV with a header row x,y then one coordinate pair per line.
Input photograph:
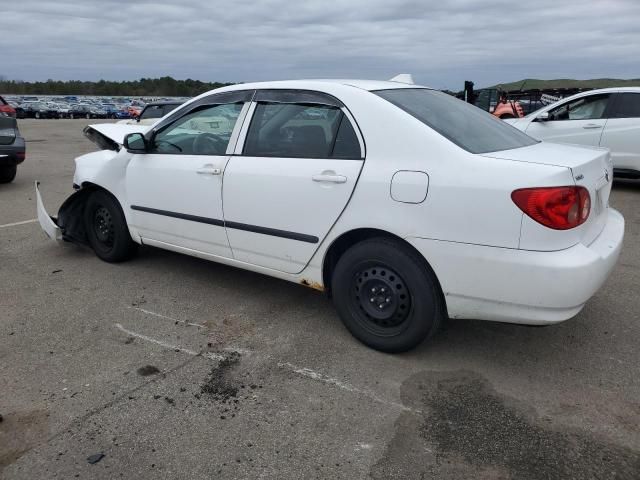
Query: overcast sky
x,y
441,43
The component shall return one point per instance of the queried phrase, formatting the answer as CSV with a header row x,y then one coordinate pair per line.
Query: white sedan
x,y
609,117
403,203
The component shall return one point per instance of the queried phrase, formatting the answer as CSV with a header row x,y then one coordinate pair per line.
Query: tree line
x,y
152,87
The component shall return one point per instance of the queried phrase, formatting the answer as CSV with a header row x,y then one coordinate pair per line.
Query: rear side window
x,y
465,125
299,130
152,111
627,106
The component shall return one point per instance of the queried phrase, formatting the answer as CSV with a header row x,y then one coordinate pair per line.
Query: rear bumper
x,y
520,286
12,154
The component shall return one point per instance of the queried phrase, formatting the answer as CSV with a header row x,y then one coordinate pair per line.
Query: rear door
x,y
580,121
297,163
622,132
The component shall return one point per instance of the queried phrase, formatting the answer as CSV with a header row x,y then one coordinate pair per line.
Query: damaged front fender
x,y
69,224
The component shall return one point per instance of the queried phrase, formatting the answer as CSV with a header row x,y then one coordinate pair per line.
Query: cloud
x,y
442,43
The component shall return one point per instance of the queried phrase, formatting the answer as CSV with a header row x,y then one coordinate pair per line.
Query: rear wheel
x,y
386,295
106,228
88,115
37,115
8,173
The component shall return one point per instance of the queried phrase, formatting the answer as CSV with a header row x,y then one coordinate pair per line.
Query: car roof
x,y
314,83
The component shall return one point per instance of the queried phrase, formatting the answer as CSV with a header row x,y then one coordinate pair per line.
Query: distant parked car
x,y
6,110
153,111
84,110
12,149
608,117
115,112
37,110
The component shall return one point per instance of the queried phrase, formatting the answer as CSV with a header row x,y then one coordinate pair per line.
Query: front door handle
x,y
589,126
209,170
331,178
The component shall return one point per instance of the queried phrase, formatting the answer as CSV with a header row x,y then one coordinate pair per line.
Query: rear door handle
x,y
591,125
209,170
331,178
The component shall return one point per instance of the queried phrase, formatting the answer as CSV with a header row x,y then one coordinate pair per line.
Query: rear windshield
x,y
464,124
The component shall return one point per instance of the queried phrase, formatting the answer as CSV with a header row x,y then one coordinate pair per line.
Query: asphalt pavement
x,y
169,366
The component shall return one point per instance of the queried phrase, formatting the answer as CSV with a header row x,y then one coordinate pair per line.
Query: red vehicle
x,y
134,110
6,110
497,103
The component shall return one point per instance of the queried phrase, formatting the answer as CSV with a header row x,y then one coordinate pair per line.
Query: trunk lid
x,y
591,168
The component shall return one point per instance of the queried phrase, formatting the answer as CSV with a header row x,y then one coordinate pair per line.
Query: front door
x,y
175,189
580,121
291,179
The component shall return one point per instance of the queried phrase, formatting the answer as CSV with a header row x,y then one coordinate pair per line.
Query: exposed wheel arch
x,y
341,244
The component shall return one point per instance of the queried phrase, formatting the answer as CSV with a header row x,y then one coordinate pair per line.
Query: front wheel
x,y
386,295
8,173
106,228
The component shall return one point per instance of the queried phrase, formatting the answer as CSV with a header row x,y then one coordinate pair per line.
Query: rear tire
x,y
106,228
88,116
386,295
8,173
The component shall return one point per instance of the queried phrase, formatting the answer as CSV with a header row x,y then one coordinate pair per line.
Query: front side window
x,y
299,130
203,131
585,108
627,106
461,123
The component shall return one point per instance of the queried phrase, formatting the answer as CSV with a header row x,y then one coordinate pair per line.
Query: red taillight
x,y
560,208
20,156
8,110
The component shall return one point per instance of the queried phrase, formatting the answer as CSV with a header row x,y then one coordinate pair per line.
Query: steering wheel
x,y
209,144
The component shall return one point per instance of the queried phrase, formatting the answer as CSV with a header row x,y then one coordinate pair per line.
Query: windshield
x,y
462,123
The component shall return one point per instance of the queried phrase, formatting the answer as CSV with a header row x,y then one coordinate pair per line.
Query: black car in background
x,y
155,110
12,149
36,110
82,110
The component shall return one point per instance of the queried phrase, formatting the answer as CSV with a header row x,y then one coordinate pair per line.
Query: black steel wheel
x,y
382,296
106,228
387,295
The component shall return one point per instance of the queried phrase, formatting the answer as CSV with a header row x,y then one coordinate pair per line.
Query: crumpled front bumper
x,y
48,223
69,224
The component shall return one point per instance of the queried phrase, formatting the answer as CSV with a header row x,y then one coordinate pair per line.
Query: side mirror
x,y
543,117
135,143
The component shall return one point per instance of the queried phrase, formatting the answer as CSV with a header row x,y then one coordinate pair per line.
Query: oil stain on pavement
x,y
468,430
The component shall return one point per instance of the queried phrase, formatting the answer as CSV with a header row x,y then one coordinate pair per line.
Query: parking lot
x,y
175,367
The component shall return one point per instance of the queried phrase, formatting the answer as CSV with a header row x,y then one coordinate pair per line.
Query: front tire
x,y
106,228
8,173
386,295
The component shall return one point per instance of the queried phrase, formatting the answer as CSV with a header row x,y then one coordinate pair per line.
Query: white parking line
x,y
307,372
211,356
15,224
159,315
